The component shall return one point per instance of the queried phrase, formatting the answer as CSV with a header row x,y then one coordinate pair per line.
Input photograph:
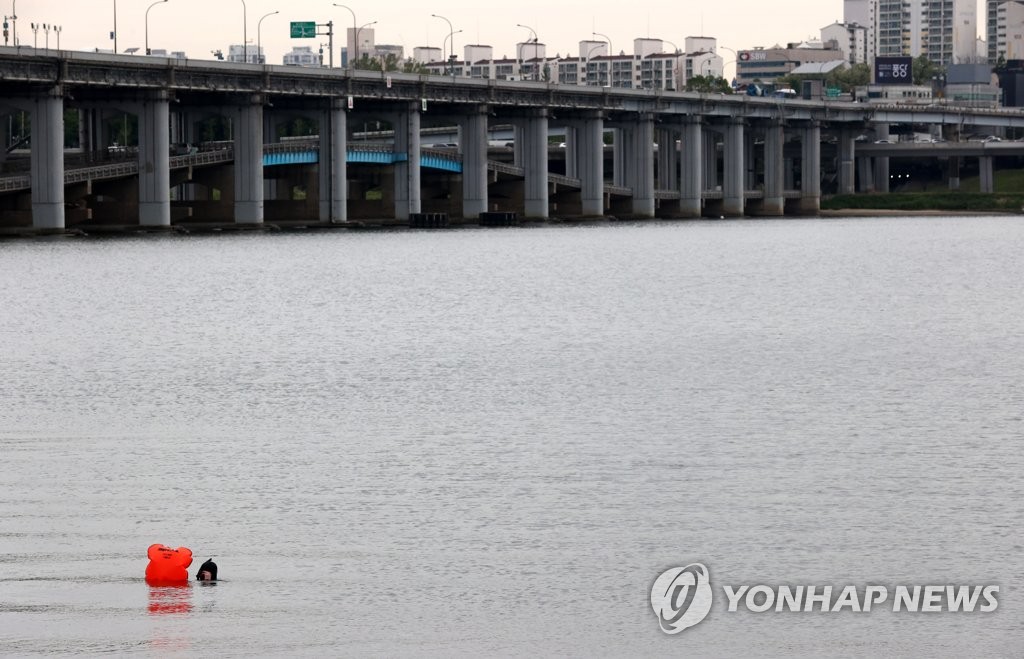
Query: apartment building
x,y
1005,29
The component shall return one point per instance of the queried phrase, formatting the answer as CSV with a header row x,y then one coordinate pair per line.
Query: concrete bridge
x,y
632,152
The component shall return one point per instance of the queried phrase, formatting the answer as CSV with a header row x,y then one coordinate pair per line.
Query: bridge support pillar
x,y
154,161
249,162
774,170
334,163
954,173
47,160
668,159
474,164
589,156
882,164
572,168
734,171
810,169
710,160
847,174
640,173
535,161
407,172
986,175
866,173
618,157
691,168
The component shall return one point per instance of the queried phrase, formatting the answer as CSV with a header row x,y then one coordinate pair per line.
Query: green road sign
x,y
833,92
303,29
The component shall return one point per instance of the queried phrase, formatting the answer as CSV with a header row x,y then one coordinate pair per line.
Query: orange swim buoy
x,y
168,566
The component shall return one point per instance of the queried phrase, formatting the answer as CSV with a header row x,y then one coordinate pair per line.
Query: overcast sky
x,y
201,26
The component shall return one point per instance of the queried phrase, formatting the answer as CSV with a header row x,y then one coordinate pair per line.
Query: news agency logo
x,y
681,597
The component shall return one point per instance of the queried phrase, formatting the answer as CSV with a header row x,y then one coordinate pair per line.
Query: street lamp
x,y
57,29
360,29
259,38
597,74
355,36
147,21
536,66
14,20
245,36
611,63
451,64
451,35
35,34
113,35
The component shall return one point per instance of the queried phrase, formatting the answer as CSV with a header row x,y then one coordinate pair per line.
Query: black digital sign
x,y
894,71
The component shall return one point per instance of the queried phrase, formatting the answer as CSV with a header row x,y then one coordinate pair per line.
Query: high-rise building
x,y
943,30
865,14
1004,26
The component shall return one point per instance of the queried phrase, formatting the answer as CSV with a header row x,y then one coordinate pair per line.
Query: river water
x,y
470,442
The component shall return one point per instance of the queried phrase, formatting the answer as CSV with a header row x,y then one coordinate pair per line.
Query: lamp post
x,y
611,53
35,34
360,29
57,29
259,37
355,36
597,74
14,20
158,2
536,66
445,44
245,36
451,35
113,35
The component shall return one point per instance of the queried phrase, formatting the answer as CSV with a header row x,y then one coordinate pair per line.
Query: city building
x,y
240,54
850,38
865,14
1005,30
427,54
303,56
768,64
360,42
945,31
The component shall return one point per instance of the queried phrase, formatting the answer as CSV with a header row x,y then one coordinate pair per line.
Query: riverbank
x,y
925,203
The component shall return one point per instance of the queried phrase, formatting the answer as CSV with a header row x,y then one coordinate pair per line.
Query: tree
x,y
708,84
924,70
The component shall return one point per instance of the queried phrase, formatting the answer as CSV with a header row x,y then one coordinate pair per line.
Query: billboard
x,y
894,71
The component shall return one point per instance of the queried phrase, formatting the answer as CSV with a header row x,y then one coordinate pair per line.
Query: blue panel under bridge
x,y
291,154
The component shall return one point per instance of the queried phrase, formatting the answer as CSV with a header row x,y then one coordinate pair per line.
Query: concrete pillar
x,y
734,170
847,175
866,173
788,174
710,148
668,159
47,160
333,167
882,164
749,160
154,163
570,152
618,157
474,164
248,134
641,166
691,169
590,159
535,161
774,170
954,173
810,184
407,172
986,175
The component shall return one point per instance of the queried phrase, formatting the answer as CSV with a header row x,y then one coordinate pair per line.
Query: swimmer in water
x,y
207,571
